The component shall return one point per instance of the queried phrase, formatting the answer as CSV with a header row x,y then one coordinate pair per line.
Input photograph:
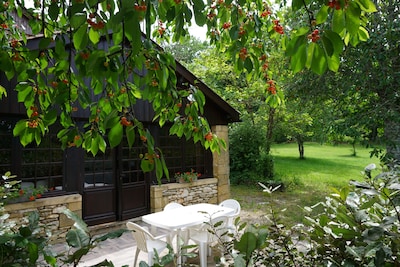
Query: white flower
x,y
191,98
5,177
370,167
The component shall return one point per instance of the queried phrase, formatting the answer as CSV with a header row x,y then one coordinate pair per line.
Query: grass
x,y
307,181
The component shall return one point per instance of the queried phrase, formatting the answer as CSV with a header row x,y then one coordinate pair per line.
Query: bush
x,y
247,164
265,166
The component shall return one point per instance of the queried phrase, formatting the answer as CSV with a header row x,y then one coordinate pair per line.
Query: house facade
x,y
111,186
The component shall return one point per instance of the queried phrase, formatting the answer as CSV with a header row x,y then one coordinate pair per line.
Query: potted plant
x,y
187,177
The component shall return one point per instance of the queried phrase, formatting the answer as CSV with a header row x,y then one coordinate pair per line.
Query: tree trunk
x,y
270,126
300,144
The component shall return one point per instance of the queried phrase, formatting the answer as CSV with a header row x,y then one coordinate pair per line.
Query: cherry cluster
x,y
96,25
141,8
278,27
334,4
314,36
271,87
266,12
161,28
243,53
124,121
209,136
242,31
226,25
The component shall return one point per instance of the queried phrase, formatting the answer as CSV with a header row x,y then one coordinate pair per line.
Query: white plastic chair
x,y
145,242
172,205
233,204
204,238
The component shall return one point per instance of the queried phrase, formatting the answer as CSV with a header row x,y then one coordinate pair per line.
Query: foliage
x,y
11,191
265,166
71,70
246,143
187,50
9,188
25,244
187,177
81,241
356,100
358,226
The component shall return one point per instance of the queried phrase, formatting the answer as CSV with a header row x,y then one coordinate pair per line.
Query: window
x,y
181,155
99,170
34,165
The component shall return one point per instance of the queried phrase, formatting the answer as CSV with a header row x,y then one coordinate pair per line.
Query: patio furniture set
x,y
190,222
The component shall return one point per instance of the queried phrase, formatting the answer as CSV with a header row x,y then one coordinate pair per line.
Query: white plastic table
x,y
186,216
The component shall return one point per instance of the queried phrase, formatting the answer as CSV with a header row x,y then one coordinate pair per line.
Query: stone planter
x,y
183,181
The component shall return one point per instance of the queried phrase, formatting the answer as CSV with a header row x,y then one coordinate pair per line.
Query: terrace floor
x,y
121,251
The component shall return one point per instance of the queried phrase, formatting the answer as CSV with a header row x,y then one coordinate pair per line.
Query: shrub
x,y
359,226
246,142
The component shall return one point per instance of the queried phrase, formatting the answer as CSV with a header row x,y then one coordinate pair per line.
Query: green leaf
x,y
318,63
333,62
322,15
159,168
328,46
20,127
54,10
130,135
115,135
132,31
77,238
338,22
77,20
94,145
78,222
199,17
6,64
3,91
297,4
94,36
102,143
298,60
335,40
247,244
80,37
248,64
353,13
367,5
363,34
146,165
33,252
374,233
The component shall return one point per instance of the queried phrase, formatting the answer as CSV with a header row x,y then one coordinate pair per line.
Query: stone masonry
x,y
50,212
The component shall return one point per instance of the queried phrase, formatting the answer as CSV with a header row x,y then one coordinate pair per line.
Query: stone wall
x,y
50,212
221,164
201,191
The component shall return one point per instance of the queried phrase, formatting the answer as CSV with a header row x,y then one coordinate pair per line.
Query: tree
x,y
187,50
362,96
52,91
296,123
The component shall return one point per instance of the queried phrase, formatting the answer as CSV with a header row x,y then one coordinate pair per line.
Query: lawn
x,y
307,181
